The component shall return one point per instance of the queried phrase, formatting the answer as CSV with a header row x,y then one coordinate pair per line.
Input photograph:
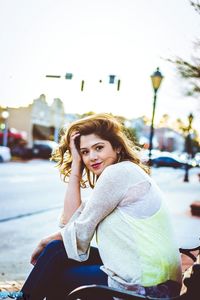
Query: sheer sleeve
x,y
76,214
106,195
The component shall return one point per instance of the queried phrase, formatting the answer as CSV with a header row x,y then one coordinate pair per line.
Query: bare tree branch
x,y
190,70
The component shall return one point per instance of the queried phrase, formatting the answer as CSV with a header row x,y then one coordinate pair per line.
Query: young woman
x,y
136,246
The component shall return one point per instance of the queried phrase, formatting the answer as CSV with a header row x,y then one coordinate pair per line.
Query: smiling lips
x,y
96,166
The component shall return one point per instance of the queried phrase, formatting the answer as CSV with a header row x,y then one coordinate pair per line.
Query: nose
x,y
93,155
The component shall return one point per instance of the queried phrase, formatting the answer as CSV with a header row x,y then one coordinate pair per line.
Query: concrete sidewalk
x,y
179,196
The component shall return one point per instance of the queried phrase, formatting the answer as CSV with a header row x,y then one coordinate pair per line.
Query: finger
x,y
33,260
35,255
75,135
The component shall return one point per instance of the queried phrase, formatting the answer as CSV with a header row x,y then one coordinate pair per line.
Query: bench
x,y
190,288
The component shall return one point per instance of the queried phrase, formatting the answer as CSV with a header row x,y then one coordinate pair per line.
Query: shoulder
x,y
123,171
123,167
116,168
119,177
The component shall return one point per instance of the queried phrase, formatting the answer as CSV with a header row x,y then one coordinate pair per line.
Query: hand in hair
x,y
76,158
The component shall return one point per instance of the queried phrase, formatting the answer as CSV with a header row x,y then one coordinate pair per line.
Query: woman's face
x,y
96,153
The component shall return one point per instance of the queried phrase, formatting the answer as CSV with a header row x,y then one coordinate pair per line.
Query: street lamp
x,y
156,79
188,146
5,115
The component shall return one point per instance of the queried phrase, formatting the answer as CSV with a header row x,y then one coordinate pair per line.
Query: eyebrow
x,y
93,145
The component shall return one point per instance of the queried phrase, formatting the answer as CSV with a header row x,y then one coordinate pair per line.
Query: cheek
x,y
112,156
115,156
84,159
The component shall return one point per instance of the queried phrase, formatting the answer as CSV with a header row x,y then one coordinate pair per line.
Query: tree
x,y
164,121
86,114
192,144
131,134
191,70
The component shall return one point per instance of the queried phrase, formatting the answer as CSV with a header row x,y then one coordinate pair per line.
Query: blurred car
x,y
167,161
187,158
197,158
43,148
22,152
40,149
5,154
144,154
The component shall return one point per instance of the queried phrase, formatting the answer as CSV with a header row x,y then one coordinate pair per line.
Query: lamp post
x,y
5,115
188,146
156,79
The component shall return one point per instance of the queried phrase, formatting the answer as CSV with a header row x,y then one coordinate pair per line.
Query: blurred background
x,y
136,59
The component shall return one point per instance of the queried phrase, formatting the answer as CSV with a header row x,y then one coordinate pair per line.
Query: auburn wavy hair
x,y
108,128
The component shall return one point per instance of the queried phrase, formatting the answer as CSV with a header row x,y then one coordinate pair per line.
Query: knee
x,y
53,247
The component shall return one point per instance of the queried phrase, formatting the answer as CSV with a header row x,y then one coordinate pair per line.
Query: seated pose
x,y
136,249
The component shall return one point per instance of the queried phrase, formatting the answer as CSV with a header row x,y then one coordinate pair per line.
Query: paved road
x,y
31,195
29,187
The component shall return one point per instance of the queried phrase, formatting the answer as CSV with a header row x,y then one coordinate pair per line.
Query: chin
x,y
98,173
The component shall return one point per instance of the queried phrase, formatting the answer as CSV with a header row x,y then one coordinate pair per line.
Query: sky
x,y
93,39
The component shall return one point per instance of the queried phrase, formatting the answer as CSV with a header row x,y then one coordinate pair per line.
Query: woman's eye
x,y
84,152
98,148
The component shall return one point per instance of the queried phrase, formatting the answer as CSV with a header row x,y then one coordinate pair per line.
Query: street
x,y
31,195
29,187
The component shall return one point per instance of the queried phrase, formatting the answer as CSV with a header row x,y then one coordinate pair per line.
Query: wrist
x,y
74,175
48,239
76,170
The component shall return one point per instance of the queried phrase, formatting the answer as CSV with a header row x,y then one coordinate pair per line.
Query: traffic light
x,y
68,76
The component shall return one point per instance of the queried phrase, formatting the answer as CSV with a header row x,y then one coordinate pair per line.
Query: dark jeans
x,y
55,275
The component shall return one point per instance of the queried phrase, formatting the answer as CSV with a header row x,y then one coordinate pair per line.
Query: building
x,y
38,120
165,138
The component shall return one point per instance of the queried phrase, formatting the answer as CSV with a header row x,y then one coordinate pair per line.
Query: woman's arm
x,y
72,199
